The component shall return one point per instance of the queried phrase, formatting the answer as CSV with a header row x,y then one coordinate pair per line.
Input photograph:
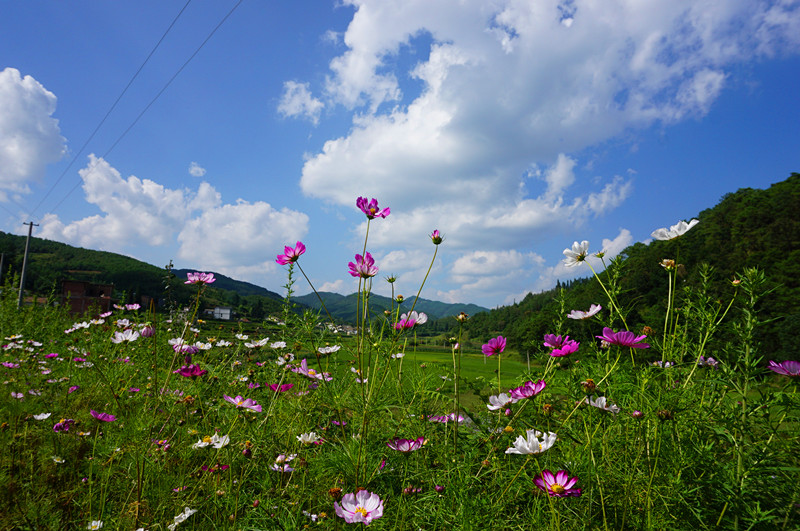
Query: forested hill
x,y
50,262
748,228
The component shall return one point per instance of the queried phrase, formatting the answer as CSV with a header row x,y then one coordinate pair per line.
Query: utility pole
x,y
30,225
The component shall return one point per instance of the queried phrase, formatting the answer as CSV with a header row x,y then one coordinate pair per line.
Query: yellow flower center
x,y
558,489
207,439
311,372
362,511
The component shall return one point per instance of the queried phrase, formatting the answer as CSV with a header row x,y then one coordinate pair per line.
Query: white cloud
x,y
29,136
238,239
297,101
498,96
195,170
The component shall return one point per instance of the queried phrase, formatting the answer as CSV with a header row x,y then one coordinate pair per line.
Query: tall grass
x,y
678,446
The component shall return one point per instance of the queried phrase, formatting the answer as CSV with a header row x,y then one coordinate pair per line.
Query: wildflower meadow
x,y
138,419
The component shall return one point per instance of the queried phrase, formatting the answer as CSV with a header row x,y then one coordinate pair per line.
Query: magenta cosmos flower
x,y
436,237
247,403
200,278
406,446
558,485
363,267
562,346
371,208
361,507
494,346
528,390
291,255
280,389
580,315
623,338
105,417
787,368
190,371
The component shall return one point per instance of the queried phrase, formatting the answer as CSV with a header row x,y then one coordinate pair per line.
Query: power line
x,y
160,92
110,110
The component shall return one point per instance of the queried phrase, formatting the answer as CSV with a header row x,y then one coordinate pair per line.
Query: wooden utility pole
x,y
30,225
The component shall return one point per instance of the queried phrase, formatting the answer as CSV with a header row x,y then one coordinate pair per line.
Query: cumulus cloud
x,y
229,238
195,170
498,97
29,136
297,101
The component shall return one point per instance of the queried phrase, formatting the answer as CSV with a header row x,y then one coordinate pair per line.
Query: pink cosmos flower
x,y
558,485
282,463
562,346
247,403
363,267
410,320
371,208
126,335
63,425
190,371
133,307
406,446
494,346
311,373
787,368
623,338
291,255
105,417
282,389
444,419
362,507
436,238
73,389
528,389
200,278
580,315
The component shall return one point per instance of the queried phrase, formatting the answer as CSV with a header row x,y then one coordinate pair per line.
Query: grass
x,y
678,447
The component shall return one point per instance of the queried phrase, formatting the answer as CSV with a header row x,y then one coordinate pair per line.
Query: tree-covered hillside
x,y
748,228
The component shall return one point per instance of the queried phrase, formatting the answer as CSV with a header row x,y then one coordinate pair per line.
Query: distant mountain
x,y
343,307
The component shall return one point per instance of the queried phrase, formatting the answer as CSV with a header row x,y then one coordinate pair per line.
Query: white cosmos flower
x,y
214,441
679,229
602,403
309,438
42,416
57,459
532,444
577,254
499,401
579,314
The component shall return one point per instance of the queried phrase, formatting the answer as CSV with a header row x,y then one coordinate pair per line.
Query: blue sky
x,y
513,127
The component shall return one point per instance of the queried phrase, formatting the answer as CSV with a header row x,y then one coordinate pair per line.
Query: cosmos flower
x,y
290,255
494,346
190,371
180,518
282,463
436,238
410,320
95,524
558,485
577,254
309,438
310,373
623,338
214,441
702,361
444,419
406,446
363,267
282,388
528,389
247,403
361,507
603,404
105,417
371,208
200,278
531,444
500,401
580,315
674,231
42,416
329,350
787,368
561,346
126,335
